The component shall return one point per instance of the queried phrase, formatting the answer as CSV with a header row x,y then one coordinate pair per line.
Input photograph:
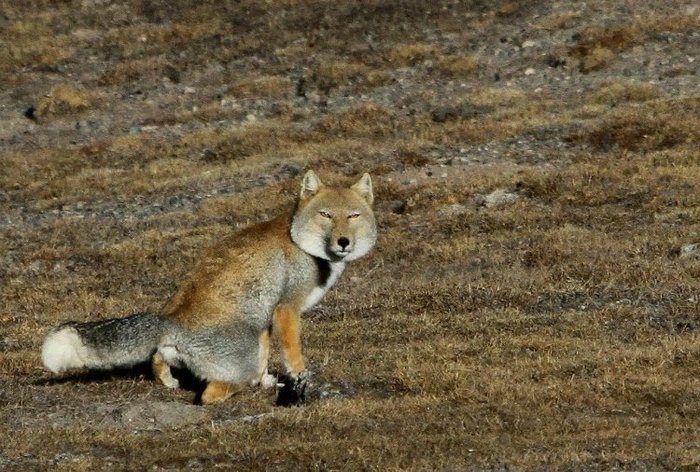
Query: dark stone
x,y
30,113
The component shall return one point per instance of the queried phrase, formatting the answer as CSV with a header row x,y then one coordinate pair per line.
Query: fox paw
x,y
293,391
300,383
270,381
171,382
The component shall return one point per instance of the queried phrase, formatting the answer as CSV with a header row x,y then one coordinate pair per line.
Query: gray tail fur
x,y
105,344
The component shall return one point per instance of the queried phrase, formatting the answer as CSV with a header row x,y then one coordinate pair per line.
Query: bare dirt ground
x,y
533,300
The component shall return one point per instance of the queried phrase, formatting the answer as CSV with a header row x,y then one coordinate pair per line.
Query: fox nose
x,y
343,242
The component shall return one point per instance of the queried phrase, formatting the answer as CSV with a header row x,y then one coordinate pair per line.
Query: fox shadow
x,y
143,370
287,395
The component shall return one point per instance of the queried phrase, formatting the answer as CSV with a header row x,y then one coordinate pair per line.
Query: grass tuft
x,y
458,66
63,100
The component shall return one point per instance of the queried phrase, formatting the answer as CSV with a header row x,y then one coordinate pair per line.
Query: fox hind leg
x,y
161,371
217,391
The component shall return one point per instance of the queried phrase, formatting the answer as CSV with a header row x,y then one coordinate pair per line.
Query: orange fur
x,y
160,369
286,324
220,279
217,392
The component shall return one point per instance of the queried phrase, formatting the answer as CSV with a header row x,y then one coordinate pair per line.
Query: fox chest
x,y
327,276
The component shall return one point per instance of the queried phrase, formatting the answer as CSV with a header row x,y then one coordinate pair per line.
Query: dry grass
x,y
330,75
411,54
262,87
659,125
367,120
558,331
62,100
618,91
598,46
458,66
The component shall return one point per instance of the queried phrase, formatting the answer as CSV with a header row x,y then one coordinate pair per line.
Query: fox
x,y
250,286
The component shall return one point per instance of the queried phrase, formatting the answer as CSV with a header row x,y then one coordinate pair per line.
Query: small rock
x,y
31,113
292,169
689,250
36,267
8,344
398,207
230,103
254,418
209,156
496,198
529,71
555,61
175,201
456,209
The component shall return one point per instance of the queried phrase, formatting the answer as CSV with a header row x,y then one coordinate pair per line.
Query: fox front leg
x,y
286,326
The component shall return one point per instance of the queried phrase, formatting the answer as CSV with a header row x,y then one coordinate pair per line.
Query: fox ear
x,y
364,188
310,185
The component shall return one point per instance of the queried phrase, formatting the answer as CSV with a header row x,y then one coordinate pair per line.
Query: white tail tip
x,y
61,350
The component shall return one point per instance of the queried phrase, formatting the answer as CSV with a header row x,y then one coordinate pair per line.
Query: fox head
x,y
336,224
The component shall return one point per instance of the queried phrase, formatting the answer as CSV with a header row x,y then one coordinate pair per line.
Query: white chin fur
x,y
311,245
362,247
61,350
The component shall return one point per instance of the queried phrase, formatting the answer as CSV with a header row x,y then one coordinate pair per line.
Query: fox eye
x,y
353,215
325,214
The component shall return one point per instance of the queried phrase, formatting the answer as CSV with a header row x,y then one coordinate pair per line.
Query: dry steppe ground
x,y
532,303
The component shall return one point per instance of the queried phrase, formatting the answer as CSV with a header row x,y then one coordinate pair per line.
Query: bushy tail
x,y
103,344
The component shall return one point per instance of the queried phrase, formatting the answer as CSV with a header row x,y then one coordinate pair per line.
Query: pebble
x,y
456,209
689,250
292,169
398,207
496,198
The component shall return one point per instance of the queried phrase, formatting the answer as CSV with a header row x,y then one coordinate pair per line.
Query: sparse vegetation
x,y
458,66
60,101
554,329
411,54
262,87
